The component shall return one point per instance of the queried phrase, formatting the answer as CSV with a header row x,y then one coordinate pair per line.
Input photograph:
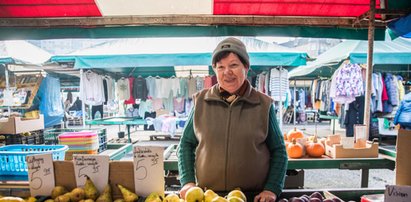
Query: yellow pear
x,y
209,195
238,193
77,194
49,200
128,195
173,197
63,198
89,200
31,199
57,191
235,199
219,199
90,189
154,197
119,200
106,195
194,194
11,199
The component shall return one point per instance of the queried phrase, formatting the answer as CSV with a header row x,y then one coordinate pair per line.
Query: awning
x,y
22,53
96,8
161,54
395,52
51,19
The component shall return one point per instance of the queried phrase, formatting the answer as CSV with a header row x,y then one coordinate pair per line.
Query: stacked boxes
x,y
85,142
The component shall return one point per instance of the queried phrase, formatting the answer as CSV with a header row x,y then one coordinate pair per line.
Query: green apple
x,y
209,195
238,193
194,194
171,198
219,199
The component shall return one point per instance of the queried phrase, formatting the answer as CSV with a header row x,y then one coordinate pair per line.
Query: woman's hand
x,y
265,196
185,188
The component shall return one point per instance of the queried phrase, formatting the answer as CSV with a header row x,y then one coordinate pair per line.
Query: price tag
x,y
94,166
148,170
347,142
41,174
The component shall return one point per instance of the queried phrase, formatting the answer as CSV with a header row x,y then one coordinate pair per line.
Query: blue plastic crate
x,y
13,157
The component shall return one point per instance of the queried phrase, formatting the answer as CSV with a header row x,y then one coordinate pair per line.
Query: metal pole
x,y
295,100
6,73
83,105
369,66
280,103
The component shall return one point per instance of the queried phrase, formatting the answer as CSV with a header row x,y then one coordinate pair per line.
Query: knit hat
x,y
231,45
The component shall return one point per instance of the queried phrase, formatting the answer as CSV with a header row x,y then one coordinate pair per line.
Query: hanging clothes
x,y
140,90
123,89
278,83
91,89
131,99
354,115
348,84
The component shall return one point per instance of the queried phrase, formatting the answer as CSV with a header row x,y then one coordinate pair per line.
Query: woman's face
x,y
231,73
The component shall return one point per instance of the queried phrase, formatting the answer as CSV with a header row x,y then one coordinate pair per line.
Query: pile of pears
x,y
196,194
90,194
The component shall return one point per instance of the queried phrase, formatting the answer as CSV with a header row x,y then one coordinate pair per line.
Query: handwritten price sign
x,y
148,169
94,166
41,174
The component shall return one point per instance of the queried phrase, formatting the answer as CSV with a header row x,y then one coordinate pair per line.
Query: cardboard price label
x,y
41,173
148,170
94,166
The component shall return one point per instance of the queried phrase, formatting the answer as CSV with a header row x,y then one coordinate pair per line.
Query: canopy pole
x,y
6,73
83,105
295,100
369,66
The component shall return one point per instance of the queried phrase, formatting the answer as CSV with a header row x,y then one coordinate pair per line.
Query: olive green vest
x,y
232,151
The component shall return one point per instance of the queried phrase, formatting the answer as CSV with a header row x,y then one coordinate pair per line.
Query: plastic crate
x,y
35,138
13,157
51,136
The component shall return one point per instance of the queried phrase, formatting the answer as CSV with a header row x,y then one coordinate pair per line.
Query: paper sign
x,y
94,166
394,193
148,170
347,142
41,174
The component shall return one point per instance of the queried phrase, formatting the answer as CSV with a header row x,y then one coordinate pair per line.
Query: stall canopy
x,y
395,52
43,19
22,53
128,56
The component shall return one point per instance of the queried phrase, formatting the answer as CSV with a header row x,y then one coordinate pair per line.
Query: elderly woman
x,y
232,138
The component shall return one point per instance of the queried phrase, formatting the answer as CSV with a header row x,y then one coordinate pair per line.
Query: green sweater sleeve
x,y
186,152
278,159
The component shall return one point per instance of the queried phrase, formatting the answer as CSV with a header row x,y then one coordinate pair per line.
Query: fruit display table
x,y
128,121
363,164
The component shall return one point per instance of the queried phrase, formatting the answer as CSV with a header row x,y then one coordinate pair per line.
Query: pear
x,y
119,200
90,190
128,195
77,194
173,197
106,195
219,199
154,197
235,199
63,198
194,194
89,200
57,191
237,192
209,195
31,199
49,200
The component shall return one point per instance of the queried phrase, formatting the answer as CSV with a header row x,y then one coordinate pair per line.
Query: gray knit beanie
x,y
231,44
